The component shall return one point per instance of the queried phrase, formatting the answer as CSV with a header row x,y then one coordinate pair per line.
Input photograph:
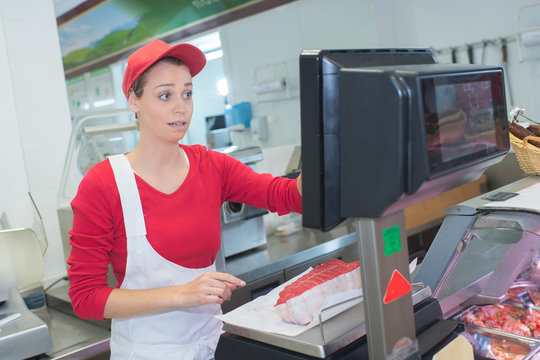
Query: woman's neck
x,y
156,156
163,167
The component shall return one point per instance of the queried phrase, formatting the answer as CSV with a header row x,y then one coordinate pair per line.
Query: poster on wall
x,y
78,95
117,26
101,83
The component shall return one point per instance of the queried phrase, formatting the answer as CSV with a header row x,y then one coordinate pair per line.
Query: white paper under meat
x,y
261,315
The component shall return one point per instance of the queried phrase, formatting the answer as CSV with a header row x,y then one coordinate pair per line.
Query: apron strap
x,y
129,195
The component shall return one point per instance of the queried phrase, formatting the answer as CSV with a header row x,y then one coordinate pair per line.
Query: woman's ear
x,y
133,102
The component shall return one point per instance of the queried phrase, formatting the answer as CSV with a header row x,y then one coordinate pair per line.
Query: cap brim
x,y
189,54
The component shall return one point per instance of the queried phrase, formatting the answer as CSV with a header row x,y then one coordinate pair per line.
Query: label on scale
x,y
404,349
391,240
397,287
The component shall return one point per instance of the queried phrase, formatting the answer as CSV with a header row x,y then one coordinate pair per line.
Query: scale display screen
x,y
464,119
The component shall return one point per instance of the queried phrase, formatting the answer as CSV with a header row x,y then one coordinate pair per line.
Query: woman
x,y
154,215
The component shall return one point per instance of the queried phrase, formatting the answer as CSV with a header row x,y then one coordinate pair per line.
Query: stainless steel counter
x,y
74,338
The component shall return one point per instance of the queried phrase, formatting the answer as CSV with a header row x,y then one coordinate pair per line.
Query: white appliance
x,y
22,333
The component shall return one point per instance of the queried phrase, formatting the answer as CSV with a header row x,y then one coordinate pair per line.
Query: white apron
x,y
188,333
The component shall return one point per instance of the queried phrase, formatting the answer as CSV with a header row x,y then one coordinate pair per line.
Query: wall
x,y
35,123
274,39
206,100
13,196
442,24
257,43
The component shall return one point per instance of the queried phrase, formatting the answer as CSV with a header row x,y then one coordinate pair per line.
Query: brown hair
x,y
138,84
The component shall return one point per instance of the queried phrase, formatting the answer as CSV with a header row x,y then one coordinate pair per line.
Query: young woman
x,y
154,214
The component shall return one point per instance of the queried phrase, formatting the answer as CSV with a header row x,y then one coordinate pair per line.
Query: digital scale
x,y
382,130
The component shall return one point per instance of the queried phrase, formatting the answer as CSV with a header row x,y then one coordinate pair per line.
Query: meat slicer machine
x,y
93,138
370,148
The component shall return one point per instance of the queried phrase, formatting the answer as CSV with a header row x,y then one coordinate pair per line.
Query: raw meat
x,y
515,320
302,300
534,292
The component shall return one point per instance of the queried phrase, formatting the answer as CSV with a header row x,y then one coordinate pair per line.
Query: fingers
x,y
217,287
228,278
226,283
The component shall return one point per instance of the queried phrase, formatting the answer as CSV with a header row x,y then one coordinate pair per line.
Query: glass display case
x,y
484,269
496,249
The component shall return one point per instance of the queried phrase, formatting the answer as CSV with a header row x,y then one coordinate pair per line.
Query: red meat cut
x,y
302,300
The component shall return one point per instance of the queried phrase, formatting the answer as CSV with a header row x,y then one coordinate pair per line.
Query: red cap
x,y
147,55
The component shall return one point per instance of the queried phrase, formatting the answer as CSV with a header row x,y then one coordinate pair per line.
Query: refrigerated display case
x,y
484,270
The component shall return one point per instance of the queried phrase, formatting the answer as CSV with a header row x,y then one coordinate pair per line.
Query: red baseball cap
x,y
148,54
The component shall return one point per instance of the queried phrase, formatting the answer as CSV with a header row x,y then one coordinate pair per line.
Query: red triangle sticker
x,y
397,287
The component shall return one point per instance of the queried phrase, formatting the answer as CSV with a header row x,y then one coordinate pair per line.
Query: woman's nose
x,y
179,105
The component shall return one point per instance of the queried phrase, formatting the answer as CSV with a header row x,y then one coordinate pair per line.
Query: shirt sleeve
x,y
91,243
274,193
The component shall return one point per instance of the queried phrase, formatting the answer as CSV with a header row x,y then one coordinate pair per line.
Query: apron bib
x,y
187,333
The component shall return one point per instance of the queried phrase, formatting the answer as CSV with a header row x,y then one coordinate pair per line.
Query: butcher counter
x,y
263,268
485,259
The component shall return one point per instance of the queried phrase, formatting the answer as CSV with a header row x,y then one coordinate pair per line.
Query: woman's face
x,y
164,109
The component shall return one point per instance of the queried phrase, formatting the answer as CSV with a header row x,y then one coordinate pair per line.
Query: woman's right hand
x,y
210,287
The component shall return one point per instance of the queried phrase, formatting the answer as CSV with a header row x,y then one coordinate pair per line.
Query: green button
x,y
391,239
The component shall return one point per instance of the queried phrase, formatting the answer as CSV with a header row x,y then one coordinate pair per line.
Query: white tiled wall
x,y
268,40
13,184
35,119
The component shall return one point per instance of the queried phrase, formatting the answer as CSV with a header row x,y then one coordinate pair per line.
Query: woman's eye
x,y
164,96
188,95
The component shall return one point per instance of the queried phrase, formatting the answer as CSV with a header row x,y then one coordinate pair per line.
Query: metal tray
x,y
457,317
527,348
336,333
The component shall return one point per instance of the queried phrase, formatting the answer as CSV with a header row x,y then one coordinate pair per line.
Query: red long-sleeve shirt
x,y
183,227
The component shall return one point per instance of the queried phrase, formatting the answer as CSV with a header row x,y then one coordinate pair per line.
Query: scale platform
x,y
339,331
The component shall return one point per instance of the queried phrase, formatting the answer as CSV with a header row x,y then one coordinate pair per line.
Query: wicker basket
x,y
528,155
